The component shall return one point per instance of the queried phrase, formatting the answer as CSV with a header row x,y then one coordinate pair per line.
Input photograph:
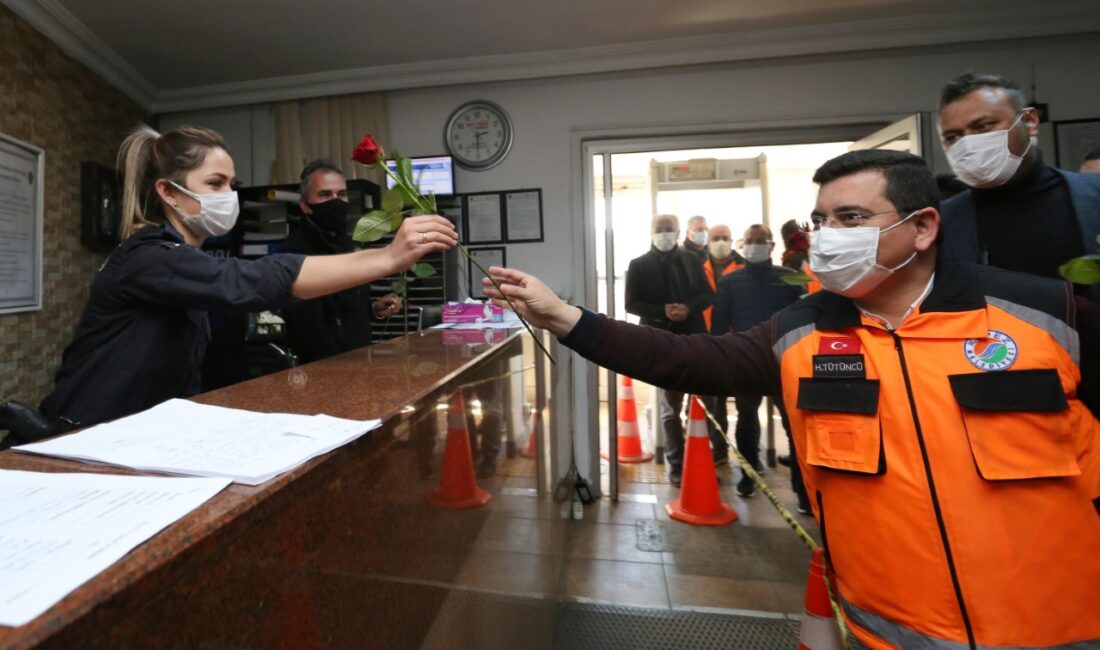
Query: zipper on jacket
x,y
932,490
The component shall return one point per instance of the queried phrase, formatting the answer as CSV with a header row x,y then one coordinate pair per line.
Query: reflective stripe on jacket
x,y
952,468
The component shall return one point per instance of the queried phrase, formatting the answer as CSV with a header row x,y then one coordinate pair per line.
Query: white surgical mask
x,y
720,249
217,213
984,160
845,260
757,253
699,237
664,241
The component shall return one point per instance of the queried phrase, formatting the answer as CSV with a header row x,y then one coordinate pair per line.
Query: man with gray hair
x,y
1019,213
695,239
329,325
666,289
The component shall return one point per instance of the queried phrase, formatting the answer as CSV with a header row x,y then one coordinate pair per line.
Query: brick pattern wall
x,y
54,102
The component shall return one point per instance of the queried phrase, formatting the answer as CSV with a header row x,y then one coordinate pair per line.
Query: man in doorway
x,y
721,261
746,298
949,431
666,289
333,324
695,240
1019,213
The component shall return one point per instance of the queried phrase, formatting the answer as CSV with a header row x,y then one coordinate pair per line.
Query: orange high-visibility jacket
x,y
952,469
708,268
814,285
952,464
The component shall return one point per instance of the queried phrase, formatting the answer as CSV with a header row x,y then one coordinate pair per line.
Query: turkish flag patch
x,y
838,345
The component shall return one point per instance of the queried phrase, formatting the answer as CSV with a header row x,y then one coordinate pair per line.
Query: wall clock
x,y
478,135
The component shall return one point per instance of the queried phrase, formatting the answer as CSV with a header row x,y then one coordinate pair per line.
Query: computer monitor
x,y
432,174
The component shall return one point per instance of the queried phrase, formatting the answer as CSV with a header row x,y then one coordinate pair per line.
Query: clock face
x,y
479,135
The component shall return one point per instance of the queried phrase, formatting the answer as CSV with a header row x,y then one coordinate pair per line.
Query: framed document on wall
x,y
523,216
486,257
484,223
1073,139
22,167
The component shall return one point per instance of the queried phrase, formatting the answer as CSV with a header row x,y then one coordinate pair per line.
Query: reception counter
x,y
346,551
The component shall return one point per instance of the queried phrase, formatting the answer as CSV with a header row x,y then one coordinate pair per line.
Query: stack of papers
x,y
57,531
182,437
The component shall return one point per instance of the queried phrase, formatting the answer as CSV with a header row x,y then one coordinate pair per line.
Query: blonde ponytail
x,y
147,156
135,159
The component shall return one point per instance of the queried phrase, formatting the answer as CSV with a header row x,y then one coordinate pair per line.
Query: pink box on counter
x,y
472,312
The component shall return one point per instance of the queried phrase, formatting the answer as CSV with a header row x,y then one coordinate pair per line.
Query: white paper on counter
x,y
183,437
57,531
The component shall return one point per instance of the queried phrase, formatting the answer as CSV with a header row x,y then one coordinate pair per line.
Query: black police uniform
x,y
144,331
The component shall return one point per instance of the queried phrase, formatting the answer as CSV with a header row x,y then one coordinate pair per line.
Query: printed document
x,y
57,531
183,437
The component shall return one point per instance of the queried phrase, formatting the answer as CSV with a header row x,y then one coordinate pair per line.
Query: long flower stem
x,y
426,208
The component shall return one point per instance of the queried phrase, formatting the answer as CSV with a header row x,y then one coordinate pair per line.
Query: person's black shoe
x,y
675,475
785,461
746,487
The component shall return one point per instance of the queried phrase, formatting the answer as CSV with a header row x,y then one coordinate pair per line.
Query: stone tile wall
x,y
54,102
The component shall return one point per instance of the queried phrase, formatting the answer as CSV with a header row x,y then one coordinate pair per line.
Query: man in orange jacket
x,y
944,413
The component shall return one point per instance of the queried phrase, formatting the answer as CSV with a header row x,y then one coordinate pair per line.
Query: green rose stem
x,y
427,207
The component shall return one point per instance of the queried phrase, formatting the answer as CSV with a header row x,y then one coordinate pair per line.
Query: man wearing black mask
x,y
340,322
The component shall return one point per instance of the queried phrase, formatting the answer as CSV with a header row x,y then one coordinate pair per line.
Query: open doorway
x,y
733,179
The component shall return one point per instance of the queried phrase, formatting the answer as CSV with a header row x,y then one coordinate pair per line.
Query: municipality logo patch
x,y
995,352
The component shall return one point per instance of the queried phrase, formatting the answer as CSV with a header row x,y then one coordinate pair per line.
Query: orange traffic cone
x,y
531,450
819,629
457,486
699,502
629,442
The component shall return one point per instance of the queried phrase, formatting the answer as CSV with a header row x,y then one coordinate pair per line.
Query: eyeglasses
x,y
846,219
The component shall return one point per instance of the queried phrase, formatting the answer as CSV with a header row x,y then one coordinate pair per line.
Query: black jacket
x,y
657,279
332,324
144,330
750,296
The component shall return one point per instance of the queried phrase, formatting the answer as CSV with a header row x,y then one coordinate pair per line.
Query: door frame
x,y
588,142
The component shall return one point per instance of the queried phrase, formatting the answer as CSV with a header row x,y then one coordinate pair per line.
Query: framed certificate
x,y
486,257
22,167
1073,139
484,223
523,216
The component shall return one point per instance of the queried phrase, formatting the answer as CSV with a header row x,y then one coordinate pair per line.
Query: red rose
x,y
368,152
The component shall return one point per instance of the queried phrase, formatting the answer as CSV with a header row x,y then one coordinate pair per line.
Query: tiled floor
x,y
631,553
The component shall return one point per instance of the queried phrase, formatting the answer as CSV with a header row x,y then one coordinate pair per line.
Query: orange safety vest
x,y
708,268
814,285
953,471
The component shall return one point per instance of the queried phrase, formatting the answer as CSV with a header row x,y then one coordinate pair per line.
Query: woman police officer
x,y
144,331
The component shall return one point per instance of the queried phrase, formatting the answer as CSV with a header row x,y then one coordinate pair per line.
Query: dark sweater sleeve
x,y
743,362
184,277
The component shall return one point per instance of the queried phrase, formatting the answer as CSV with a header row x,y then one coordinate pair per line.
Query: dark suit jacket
x,y
960,223
648,290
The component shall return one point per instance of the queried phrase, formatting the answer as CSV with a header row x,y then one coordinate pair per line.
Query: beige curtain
x,y
328,127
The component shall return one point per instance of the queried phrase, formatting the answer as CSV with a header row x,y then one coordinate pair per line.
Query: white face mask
x,y
757,253
664,241
720,249
845,260
984,160
699,237
217,213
